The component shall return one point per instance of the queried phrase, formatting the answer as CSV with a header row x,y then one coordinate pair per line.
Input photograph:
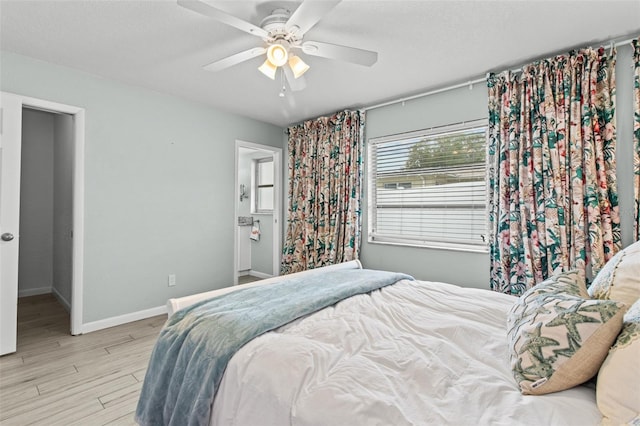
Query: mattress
x,y
413,353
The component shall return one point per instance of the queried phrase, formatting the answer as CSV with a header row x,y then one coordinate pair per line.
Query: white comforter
x,y
415,353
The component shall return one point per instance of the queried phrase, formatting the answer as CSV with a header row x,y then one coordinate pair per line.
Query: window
x,y
427,188
263,173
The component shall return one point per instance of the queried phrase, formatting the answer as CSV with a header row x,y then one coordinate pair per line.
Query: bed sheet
x,y
414,353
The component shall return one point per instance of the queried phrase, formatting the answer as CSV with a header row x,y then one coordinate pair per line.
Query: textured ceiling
x,y
422,45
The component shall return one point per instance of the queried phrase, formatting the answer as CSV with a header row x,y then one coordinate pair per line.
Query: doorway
x,y
47,256
258,210
44,260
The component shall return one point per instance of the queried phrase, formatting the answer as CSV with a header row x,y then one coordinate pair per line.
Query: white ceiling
x,y
422,45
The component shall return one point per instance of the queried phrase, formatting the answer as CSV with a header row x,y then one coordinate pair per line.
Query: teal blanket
x,y
194,347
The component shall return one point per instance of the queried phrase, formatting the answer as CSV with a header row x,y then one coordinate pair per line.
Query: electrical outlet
x,y
172,280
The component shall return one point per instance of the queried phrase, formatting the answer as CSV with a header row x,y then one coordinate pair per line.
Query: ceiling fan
x,y
283,33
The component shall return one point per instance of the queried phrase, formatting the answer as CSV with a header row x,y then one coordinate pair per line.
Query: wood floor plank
x,y
39,323
121,395
119,367
58,379
46,405
142,344
128,363
10,361
138,328
110,336
46,345
139,374
115,414
82,411
55,363
15,394
29,344
152,328
36,375
33,335
75,351
126,420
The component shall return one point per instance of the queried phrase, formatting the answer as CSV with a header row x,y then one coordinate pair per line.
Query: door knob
x,y
7,236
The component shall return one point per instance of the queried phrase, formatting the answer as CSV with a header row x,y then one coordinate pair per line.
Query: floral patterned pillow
x,y
619,279
558,338
618,387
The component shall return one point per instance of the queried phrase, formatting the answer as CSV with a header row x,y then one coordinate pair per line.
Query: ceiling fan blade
x,y
295,84
343,53
308,14
202,7
232,60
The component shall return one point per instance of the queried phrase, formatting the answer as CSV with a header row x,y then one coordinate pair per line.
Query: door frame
x,y
277,204
78,180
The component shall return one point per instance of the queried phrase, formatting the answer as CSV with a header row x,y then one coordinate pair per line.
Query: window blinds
x,y
428,187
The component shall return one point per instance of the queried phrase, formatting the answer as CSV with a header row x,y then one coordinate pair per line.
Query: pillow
x,y
619,279
618,387
557,337
570,283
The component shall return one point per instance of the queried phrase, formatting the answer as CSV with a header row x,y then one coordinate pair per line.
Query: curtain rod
x,y
621,43
420,95
469,83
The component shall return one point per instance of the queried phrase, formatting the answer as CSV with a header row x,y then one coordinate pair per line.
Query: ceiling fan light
x,y
268,69
298,66
277,55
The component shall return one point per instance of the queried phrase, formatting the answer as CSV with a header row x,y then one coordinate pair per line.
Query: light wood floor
x,y
244,279
58,379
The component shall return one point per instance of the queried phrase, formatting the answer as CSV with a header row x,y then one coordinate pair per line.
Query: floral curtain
x,y
325,173
553,203
636,134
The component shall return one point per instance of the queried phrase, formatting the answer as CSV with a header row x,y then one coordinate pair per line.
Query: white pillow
x,y
619,279
618,386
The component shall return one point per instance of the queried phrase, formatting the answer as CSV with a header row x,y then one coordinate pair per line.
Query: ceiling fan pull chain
x,y
281,94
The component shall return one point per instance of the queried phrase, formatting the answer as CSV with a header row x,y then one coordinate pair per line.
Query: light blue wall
x,y
159,175
624,151
463,104
457,267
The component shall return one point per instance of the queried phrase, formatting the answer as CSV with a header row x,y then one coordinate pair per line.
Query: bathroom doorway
x,y
258,211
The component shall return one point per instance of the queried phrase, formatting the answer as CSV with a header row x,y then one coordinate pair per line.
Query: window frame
x,y
255,200
398,240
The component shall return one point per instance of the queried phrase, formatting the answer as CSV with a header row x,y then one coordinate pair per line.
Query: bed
x,y
407,353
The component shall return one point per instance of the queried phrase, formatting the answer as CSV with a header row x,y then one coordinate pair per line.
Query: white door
x,y
10,151
10,141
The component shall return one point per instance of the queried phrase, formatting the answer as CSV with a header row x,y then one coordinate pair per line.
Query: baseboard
x,y
123,319
34,291
258,274
64,302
